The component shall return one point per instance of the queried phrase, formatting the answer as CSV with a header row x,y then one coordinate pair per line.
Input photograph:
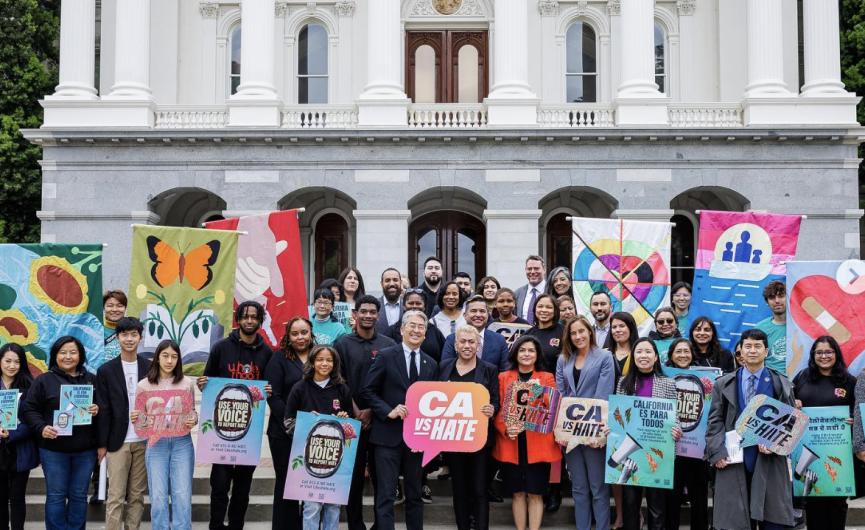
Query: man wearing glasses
x,y
681,304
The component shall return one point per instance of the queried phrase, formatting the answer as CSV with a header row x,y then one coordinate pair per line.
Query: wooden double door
x,y
447,66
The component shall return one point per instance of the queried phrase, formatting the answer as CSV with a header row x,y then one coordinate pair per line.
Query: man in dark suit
x,y
391,309
392,372
116,382
526,295
493,348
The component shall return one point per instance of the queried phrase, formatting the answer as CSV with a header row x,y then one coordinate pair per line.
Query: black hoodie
x,y
43,399
232,358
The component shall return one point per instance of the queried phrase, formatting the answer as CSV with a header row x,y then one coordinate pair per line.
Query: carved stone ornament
x,y
345,9
582,7
686,7
281,10
614,7
208,10
447,7
549,8
437,8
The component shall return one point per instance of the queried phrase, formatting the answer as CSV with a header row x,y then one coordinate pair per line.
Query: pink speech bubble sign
x,y
163,414
445,417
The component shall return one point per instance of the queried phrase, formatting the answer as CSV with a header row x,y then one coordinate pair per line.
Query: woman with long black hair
x,y
18,452
707,348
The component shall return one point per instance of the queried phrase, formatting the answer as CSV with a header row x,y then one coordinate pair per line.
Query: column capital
x,y
549,8
208,10
281,9
686,8
345,8
614,7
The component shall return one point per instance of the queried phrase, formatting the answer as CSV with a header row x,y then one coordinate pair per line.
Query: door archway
x,y
457,238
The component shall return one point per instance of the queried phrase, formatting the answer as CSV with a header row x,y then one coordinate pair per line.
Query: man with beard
x,y
536,273
432,276
357,352
390,311
600,305
775,327
465,282
242,355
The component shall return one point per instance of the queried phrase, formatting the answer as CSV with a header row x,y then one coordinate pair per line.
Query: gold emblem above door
x,y
447,7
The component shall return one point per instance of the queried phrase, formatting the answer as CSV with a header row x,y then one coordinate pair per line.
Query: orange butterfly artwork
x,y
171,264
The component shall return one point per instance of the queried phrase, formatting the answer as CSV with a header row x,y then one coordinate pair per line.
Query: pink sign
x,y
163,414
445,417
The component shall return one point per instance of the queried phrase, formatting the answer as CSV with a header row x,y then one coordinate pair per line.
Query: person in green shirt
x,y
681,305
325,327
775,327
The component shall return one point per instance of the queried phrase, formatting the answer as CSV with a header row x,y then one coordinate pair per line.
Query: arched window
x,y
312,65
234,70
660,58
582,65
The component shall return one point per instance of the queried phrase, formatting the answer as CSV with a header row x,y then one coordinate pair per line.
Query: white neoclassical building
x,y
465,128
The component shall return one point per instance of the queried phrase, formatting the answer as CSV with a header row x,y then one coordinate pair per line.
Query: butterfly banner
x,y
269,268
640,446
629,260
48,291
180,286
738,254
823,462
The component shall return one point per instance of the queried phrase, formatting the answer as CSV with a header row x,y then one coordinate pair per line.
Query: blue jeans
x,y
67,477
170,463
311,511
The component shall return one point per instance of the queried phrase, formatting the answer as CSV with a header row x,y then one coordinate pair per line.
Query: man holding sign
x,y
759,487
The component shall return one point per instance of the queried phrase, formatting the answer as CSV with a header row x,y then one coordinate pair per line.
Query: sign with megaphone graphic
x,y
823,461
640,447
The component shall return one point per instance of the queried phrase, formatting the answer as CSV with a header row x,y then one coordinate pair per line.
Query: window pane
x,y
235,51
312,50
682,257
332,257
425,75
582,49
660,81
582,88
562,252
235,82
312,90
426,247
468,75
660,50
466,252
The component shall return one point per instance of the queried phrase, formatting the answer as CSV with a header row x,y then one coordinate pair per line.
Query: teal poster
x,y
76,400
823,461
694,398
640,447
9,409
232,422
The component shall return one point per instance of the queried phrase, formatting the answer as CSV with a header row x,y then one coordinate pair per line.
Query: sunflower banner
x,y
50,290
181,286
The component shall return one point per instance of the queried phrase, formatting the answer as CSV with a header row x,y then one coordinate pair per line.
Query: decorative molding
x,y
281,10
226,10
614,8
208,10
548,8
686,8
310,8
469,8
345,8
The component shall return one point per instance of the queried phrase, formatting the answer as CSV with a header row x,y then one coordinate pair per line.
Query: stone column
x,y
77,50
765,50
511,101
639,102
512,235
383,102
209,13
345,10
822,49
552,72
382,242
686,10
132,51
256,103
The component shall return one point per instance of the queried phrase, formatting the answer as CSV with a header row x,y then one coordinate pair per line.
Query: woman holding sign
x,y
469,470
586,371
525,456
67,461
647,380
826,383
171,460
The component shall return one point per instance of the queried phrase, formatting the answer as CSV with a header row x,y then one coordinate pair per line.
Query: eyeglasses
x,y
665,321
323,303
414,291
681,295
826,353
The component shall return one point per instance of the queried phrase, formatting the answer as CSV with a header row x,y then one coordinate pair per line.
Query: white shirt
x,y
322,384
391,311
443,323
527,303
407,351
601,334
130,375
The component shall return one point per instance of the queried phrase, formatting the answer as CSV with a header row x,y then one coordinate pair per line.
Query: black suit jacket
x,y
486,375
381,325
113,402
386,387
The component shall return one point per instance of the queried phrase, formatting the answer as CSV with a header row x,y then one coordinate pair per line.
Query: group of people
x,y
435,332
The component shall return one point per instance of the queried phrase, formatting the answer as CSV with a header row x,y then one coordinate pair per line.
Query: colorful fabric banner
x,y
179,286
269,268
163,414
76,400
640,447
694,397
825,298
629,260
823,462
579,421
531,406
769,422
510,331
232,422
322,458
445,417
9,409
48,291
738,253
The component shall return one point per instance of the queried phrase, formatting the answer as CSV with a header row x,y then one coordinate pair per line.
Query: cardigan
x,y
542,447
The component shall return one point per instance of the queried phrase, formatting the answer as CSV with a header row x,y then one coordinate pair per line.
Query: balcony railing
x,y
574,116
447,115
705,115
319,117
191,117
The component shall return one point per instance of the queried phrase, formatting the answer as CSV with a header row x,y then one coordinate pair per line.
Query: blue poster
x,y
733,305
232,422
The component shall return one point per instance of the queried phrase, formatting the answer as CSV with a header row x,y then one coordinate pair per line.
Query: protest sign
x,y
76,400
510,331
341,312
769,422
694,395
232,422
531,406
823,462
445,417
163,414
63,423
322,458
9,409
640,447
579,421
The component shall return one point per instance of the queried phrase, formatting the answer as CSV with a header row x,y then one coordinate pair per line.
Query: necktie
x,y
453,326
481,346
530,314
751,389
412,371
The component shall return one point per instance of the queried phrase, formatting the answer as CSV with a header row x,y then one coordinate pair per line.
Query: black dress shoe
x,y
494,497
95,500
554,501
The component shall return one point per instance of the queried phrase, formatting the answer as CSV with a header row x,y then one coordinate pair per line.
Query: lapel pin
x,y
766,380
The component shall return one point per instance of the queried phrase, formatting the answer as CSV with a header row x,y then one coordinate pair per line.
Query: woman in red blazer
x,y
525,456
